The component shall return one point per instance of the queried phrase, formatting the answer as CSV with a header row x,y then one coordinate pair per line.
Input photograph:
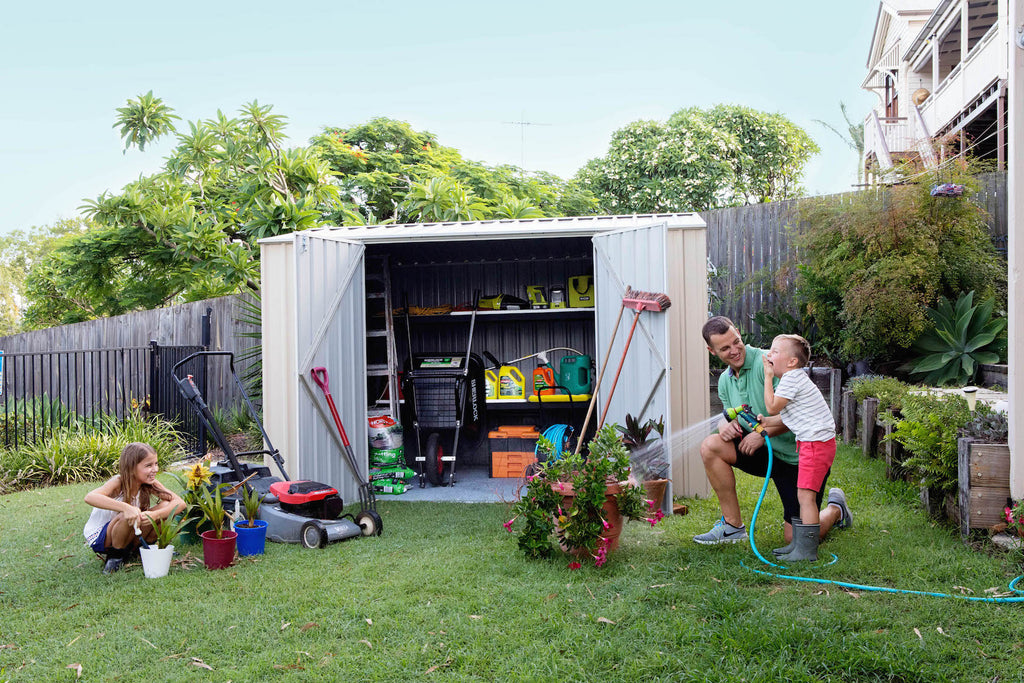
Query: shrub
x,y
987,426
876,260
888,390
84,453
929,431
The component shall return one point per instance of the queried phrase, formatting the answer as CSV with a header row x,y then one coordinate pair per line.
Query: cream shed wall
x,y
289,298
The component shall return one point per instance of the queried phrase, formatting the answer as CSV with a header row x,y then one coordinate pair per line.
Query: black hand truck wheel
x,y
370,522
434,466
313,535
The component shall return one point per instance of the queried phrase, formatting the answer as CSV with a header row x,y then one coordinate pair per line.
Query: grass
x,y
445,595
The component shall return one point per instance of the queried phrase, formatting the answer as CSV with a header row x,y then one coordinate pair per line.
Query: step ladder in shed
x,y
381,352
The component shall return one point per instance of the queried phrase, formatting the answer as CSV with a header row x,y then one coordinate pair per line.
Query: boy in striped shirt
x,y
799,405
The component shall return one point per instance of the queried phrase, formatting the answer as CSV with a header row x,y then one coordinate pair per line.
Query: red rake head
x,y
645,301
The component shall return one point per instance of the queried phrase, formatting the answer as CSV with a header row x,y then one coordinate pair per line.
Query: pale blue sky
x,y
457,69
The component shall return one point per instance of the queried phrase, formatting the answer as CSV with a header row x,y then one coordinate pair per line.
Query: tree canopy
x,y
700,159
189,231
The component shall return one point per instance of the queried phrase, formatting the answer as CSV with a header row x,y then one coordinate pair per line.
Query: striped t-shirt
x,y
807,415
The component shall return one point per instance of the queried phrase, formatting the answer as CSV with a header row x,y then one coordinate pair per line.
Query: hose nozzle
x,y
746,413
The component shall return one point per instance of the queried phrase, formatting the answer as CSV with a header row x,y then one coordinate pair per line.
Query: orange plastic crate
x,y
510,463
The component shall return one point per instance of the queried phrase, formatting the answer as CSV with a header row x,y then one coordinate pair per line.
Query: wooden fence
x,y
179,325
752,254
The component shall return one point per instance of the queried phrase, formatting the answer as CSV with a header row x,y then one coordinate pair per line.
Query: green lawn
x,y
445,595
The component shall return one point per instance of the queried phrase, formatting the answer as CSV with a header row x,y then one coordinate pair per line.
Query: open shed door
x,y
636,258
331,334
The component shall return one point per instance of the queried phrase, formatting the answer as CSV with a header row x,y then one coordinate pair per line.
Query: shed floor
x,y
472,485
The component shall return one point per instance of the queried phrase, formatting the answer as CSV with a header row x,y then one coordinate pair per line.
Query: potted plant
x,y
218,542
580,502
156,559
252,532
195,478
648,458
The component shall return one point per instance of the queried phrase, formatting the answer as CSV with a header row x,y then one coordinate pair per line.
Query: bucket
x,y
575,374
491,381
251,540
156,562
218,553
511,383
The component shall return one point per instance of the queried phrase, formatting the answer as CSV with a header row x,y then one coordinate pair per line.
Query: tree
x,y
20,251
854,137
389,172
189,231
698,160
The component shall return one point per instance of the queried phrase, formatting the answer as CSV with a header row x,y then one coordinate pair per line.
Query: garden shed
x,y
320,307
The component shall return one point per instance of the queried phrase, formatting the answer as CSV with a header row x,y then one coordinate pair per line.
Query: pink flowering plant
x,y
563,500
1015,518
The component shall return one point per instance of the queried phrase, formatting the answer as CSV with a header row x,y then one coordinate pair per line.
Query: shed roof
x,y
497,229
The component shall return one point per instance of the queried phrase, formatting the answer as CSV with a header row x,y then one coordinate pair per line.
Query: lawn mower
x,y
305,512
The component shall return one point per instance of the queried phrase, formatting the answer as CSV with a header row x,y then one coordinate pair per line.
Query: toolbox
x,y
512,449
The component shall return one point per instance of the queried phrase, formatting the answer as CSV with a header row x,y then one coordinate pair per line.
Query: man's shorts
x,y
816,458
783,474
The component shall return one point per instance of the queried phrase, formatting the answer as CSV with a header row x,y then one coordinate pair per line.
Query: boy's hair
x,y
801,347
132,455
718,324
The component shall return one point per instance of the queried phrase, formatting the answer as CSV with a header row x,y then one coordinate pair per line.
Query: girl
x,y
120,503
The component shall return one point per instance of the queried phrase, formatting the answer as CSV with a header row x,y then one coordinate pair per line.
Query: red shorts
x,y
815,460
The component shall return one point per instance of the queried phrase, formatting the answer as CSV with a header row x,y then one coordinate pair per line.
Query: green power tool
x,y
747,413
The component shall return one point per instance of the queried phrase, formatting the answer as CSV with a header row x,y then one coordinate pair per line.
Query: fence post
x,y
206,328
154,377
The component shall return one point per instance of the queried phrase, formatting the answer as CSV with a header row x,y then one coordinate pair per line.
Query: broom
x,y
638,301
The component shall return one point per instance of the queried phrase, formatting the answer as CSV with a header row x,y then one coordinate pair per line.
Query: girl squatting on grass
x,y
799,405
122,504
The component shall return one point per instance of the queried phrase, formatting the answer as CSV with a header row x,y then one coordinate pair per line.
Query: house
x,y
939,68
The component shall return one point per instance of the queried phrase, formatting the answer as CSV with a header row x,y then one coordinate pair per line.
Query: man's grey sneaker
x,y
838,498
722,532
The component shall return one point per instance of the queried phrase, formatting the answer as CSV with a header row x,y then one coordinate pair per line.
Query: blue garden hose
x,y
558,435
844,584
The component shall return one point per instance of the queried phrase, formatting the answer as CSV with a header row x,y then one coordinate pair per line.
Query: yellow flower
x,y
198,474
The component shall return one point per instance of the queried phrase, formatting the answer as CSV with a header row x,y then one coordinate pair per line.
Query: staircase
x,y
381,352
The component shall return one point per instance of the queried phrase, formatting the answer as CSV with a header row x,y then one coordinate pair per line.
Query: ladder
x,y
381,351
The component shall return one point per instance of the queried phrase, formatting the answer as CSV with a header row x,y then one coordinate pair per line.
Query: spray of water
x,y
651,460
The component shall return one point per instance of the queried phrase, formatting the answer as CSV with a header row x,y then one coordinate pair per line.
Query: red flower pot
x,y
218,553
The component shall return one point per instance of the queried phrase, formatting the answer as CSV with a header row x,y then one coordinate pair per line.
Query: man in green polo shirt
x,y
735,446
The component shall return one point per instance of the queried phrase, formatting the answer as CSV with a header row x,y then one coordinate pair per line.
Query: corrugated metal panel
x,y
330,292
635,258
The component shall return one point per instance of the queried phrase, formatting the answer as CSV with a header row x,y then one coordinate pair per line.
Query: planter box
x,y
984,474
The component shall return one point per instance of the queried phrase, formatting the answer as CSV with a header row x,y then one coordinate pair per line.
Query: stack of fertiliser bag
x,y
388,472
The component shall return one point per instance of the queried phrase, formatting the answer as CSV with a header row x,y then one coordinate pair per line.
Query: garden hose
x,y
1019,597
558,435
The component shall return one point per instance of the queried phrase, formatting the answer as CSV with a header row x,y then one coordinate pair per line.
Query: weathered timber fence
x,y
752,255
180,325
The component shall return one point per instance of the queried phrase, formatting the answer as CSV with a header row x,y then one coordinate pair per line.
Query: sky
x,y
469,72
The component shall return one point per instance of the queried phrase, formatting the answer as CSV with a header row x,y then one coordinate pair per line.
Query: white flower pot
x,y
156,562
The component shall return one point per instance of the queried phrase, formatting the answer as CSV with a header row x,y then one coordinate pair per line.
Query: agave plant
x,y
965,336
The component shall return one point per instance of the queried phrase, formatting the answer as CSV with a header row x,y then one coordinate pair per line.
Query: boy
x,y
799,405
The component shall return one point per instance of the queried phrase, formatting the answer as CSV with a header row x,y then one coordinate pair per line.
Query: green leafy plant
x,y
874,261
167,530
888,390
193,482
251,501
578,521
987,426
647,457
929,430
965,336
211,505
1015,518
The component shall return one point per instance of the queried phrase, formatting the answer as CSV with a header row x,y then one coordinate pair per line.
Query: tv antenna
x,y
523,123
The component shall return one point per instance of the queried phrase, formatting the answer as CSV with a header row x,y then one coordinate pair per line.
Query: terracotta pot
x,y
655,489
611,514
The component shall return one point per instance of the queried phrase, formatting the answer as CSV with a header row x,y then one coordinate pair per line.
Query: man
x,y
735,446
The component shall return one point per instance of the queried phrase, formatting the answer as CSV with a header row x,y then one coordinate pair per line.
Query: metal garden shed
x,y
317,284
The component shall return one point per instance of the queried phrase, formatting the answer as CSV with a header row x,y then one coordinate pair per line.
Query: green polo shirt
x,y
748,387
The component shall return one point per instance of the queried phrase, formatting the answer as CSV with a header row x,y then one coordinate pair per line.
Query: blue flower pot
x,y
251,540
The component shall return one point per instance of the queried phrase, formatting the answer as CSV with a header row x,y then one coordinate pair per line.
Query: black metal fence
x,y
42,393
